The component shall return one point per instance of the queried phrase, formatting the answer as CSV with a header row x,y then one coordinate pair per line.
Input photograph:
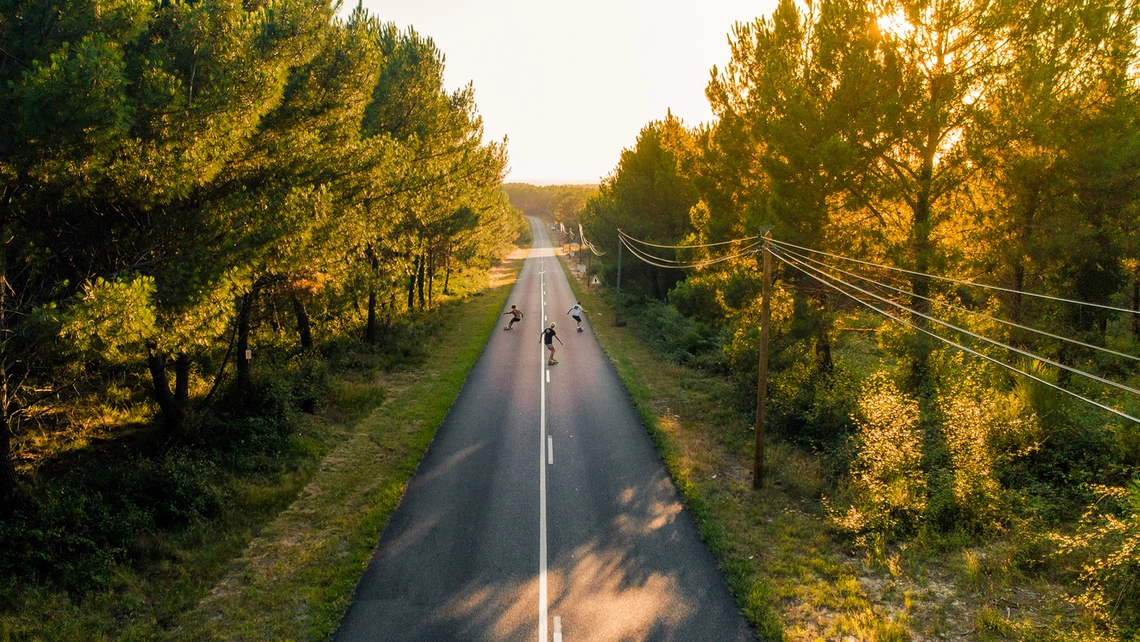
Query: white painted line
x,y
557,629
542,606
550,450
547,376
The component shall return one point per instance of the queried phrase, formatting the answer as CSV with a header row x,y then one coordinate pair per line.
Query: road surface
x,y
541,510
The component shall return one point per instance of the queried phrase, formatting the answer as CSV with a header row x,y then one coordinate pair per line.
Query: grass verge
x,y
793,578
281,560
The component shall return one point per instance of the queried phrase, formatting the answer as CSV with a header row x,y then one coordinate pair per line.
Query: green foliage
x,y
111,321
100,514
648,197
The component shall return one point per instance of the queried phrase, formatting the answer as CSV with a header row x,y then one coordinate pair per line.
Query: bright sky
x,y
571,83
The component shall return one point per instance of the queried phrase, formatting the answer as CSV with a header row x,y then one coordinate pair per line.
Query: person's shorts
x,y
577,318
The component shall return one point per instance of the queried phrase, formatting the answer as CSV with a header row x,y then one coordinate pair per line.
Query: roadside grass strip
x,y
295,579
792,577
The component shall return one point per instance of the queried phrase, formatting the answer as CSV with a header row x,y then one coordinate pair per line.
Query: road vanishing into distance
x,y
541,510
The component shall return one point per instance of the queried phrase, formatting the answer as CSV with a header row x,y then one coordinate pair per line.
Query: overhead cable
x,y
582,235
958,281
963,348
980,337
685,247
962,309
658,262
654,261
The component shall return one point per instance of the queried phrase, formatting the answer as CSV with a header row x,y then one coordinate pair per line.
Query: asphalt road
x,y
541,510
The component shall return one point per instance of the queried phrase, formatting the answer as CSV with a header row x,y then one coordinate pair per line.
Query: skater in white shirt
x,y
576,313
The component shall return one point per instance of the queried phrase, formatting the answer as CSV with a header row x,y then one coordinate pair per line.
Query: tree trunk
x,y
10,496
823,351
923,249
422,269
173,413
303,327
244,376
431,274
370,327
1136,302
412,285
182,383
447,269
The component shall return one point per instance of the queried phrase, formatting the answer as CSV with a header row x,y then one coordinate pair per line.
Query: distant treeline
x,y
175,176
560,203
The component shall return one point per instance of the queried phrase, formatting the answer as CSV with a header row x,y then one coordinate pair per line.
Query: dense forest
x,y
984,142
200,203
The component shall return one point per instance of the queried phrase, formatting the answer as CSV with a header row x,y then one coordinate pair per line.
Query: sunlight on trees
x,y
992,142
174,174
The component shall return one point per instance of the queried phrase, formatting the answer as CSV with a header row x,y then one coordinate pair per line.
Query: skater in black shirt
x,y
548,337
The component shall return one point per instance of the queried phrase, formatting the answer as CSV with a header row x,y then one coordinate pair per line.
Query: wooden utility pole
x,y
762,379
617,302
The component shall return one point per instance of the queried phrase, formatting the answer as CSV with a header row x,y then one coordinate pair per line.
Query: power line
x,y
659,262
582,235
966,310
675,263
791,261
958,281
684,247
961,347
980,337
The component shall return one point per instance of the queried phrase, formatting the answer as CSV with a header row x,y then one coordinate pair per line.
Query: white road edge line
x,y
542,606
557,629
550,450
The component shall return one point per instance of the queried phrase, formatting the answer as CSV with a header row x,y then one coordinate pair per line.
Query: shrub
x,y
1108,541
887,489
976,421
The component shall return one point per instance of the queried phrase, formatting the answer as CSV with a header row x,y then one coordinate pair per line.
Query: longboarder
x,y
548,337
516,316
576,312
